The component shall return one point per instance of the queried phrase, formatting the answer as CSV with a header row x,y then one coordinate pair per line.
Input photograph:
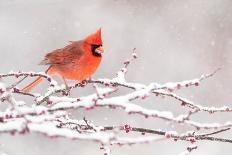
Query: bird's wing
x,y
64,55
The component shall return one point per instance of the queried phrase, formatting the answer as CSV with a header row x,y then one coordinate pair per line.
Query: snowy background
x,y
175,39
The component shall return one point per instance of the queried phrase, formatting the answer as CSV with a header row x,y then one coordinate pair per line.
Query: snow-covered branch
x,y
48,114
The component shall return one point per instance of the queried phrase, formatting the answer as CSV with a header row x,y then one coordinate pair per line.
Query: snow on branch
x,y
48,114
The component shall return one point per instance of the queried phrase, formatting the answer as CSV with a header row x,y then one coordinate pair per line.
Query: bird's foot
x,y
66,91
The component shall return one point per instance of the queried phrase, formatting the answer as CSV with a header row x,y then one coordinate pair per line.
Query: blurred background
x,y
175,40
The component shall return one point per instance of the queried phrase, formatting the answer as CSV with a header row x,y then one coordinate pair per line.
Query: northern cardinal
x,y
76,61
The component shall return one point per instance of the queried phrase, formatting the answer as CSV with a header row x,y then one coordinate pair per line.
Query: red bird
x,y
76,61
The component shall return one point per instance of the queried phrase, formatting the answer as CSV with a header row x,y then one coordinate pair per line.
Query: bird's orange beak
x,y
99,50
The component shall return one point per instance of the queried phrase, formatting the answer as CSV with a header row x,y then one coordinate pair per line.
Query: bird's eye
x,y
94,46
93,49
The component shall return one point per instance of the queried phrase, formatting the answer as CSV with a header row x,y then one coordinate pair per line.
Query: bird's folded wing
x,y
64,55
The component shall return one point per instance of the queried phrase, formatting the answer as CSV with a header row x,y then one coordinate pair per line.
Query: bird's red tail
x,y
37,81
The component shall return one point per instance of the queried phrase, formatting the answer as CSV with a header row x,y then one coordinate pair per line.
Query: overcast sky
x,y
175,40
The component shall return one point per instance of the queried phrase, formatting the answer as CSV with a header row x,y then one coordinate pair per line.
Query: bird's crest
x,y
94,38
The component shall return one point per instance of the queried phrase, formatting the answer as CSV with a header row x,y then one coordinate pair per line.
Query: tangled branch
x,y
48,114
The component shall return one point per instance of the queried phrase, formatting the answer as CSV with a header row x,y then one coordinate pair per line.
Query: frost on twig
x,y
48,114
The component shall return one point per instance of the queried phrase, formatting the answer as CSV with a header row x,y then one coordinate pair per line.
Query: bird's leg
x,y
66,85
96,89
67,90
